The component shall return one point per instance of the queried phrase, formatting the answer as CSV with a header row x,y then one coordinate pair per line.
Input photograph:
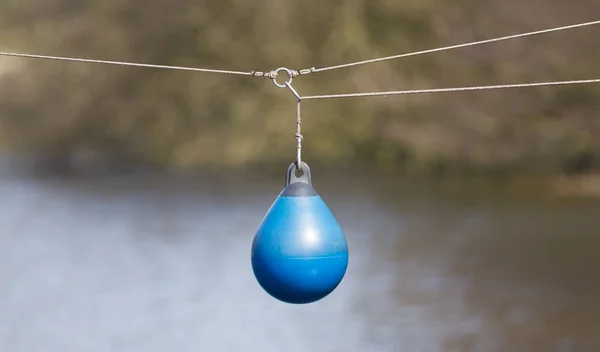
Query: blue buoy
x,y
299,253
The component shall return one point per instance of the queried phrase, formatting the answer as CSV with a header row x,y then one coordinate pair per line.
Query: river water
x,y
162,263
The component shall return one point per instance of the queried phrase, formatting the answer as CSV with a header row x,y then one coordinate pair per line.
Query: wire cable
x,y
292,73
447,90
181,68
452,47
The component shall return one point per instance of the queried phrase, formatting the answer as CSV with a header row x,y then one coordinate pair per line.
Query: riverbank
x,y
515,185
179,119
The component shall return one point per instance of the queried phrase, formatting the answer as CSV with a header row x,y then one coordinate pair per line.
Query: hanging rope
x,y
298,137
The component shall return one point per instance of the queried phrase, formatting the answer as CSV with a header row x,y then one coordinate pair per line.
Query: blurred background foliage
x,y
63,111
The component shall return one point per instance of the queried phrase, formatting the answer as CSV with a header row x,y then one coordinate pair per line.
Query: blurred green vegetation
x,y
187,119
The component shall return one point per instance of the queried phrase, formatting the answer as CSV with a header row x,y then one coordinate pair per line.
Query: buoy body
x,y
299,253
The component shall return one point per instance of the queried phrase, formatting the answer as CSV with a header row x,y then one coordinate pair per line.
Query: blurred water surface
x,y
162,263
